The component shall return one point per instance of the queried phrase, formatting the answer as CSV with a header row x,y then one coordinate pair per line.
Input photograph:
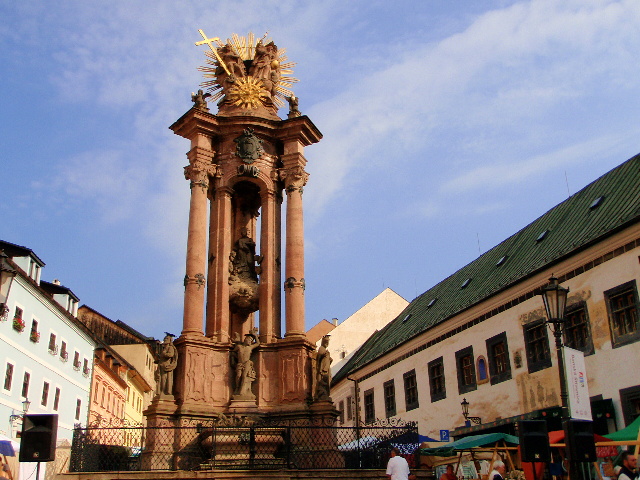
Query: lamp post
x,y
555,301
6,278
465,413
25,408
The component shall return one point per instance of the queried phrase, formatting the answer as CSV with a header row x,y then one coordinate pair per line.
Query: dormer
x,y
63,295
25,258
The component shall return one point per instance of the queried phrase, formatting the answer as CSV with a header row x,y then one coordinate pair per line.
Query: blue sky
x,y
448,126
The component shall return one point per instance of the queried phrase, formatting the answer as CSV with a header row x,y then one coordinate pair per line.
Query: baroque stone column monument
x,y
234,358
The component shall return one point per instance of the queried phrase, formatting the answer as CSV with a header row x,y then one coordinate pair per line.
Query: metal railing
x,y
261,446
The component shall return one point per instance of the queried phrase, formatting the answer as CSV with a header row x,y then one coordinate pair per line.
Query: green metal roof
x,y
571,226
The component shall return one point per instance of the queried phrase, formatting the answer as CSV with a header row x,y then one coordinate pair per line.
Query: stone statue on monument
x,y
245,373
323,371
293,106
200,100
244,258
167,363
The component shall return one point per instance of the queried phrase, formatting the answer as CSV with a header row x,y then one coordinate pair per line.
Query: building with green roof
x,y
480,334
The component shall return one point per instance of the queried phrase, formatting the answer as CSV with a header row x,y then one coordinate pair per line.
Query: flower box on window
x,y
53,349
18,324
64,356
34,336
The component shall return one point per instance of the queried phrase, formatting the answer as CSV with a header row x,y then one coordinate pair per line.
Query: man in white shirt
x,y
498,471
397,468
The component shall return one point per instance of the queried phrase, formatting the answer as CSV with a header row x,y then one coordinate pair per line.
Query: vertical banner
x,y
577,387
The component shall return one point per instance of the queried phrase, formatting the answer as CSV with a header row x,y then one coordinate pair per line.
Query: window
x,y
8,377
25,384
410,390
34,336
78,407
76,360
349,408
482,375
436,380
56,400
623,314
341,410
389,390
498,352
466,370
537,346
18,313
64,355
45,394
630,401
369,407
577,329
85,367
53,348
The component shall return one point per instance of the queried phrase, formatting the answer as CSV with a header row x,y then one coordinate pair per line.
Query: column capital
x,y
294,178
200,167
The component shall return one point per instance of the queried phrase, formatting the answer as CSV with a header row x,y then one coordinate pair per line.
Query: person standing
x,y
629,464
397,468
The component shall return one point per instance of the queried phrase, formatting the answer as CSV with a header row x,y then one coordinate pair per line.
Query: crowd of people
x,y
398,468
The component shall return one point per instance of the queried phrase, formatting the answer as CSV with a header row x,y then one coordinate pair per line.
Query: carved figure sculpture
x,y
167,363
323,371
261,66
200,100
245,374
244,258
293,106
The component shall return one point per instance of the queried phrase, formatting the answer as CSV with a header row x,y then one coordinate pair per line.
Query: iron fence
x,y
243,447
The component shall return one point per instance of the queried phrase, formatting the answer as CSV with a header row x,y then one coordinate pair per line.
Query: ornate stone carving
x,y
243,279
245,373
294,178
323,371
200,100
293,107
292,377
248,171
167,363
248,146
199,279
291,283
198,173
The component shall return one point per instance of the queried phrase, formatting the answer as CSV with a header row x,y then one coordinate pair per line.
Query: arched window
x,y
481,367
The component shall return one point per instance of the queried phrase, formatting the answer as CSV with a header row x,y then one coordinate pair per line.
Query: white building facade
x,y
46,356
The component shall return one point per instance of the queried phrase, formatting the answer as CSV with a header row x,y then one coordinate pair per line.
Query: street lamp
x,y
465,413
555,301
25,408
6,277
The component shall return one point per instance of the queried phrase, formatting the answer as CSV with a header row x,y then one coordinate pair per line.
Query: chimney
x,y
56,281
334,321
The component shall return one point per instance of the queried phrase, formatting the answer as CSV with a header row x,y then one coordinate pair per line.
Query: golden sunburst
x,y
235,77
248,92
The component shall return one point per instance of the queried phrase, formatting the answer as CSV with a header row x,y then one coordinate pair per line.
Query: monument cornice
x,y
195,121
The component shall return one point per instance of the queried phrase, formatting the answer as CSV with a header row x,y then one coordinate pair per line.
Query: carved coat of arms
x,y
248,146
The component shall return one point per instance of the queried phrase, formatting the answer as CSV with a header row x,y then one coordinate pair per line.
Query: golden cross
x,y
215,51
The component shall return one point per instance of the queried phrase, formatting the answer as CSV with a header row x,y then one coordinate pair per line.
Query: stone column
x,y
218,319
197,172
294,285
269,279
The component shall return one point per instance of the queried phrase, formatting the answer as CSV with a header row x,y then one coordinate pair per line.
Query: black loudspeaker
x,y
578,436
38,440
534,441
